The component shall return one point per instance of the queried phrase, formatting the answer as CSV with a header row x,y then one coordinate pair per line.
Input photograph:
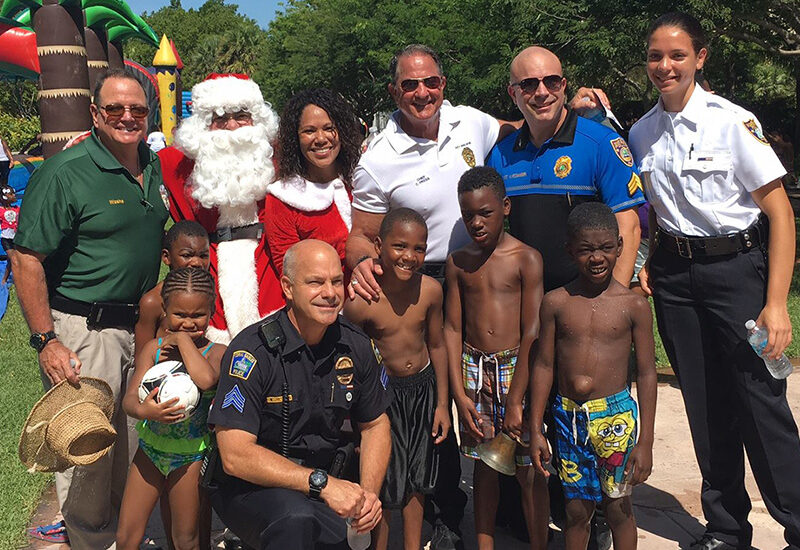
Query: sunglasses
x,y
430,82
239,117
553,83
115,110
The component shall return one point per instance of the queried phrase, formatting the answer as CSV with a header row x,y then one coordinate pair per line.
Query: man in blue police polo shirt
x,y
558,160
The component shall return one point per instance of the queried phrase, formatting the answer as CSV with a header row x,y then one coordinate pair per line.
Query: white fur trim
x,y
218,336
310,196
238,287
225,94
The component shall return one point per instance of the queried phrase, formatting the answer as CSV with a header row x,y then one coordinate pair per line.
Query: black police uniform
x,y
337,378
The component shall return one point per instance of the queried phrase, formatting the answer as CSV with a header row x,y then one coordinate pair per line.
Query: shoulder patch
x,y
755,131
633,184
622,151
563,167
242,363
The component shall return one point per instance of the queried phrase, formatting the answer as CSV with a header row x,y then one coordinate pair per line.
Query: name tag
x,y
708,161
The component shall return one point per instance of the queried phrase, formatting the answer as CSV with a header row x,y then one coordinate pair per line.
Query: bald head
x,y
305,252
532,59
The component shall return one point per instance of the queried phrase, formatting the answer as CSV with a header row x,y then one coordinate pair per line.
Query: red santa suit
x,y
298,209
248,287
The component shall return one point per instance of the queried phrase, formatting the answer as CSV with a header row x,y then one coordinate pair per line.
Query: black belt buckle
x,y
684,247
111,314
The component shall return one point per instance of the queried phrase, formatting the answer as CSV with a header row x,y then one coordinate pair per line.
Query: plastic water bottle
x,y
779,368
356,540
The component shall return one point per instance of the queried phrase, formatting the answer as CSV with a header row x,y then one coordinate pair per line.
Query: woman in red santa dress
x,y
319,144
218,174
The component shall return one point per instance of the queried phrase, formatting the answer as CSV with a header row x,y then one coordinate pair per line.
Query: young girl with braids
x,y
170,446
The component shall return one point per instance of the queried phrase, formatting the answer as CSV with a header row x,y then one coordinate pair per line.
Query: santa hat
x,y
228,93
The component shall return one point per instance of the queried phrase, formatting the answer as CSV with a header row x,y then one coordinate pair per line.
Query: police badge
x,y
563,167
469,156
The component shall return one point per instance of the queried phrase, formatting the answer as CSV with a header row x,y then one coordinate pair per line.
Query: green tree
x,y
235,39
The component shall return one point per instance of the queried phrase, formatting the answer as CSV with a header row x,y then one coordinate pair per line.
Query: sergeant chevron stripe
x,y
234,398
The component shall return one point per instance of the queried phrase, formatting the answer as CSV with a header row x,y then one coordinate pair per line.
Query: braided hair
x,y
188,279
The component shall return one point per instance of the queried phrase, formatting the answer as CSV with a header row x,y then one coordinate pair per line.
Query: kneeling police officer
x,y
286,386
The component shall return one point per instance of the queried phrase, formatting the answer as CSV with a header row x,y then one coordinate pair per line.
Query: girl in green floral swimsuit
x,y
170,445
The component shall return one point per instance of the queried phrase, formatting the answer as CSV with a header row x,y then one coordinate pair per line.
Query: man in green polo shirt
x,y
89,241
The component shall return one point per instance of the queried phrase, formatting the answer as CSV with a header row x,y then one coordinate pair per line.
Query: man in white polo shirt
x,y
416,163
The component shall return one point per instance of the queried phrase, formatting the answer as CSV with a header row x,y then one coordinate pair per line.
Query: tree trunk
x,y
796,136
63,77
96,54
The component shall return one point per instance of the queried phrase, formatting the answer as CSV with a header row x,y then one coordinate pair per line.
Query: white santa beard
x,y
232,167
237,283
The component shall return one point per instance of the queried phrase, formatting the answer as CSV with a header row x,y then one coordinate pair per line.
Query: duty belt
x,y
252,231
724,245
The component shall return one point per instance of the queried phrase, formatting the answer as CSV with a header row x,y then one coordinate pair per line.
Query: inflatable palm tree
x,y
64,64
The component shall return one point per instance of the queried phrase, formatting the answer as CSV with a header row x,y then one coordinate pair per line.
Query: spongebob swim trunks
x,y
594,441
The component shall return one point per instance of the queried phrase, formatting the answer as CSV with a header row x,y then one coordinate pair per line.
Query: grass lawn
x,y
22,387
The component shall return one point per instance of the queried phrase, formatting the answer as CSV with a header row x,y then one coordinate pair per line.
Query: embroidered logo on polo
x,y
344,370
622,151
234,398
242,364
468,156
633,184
563,167
755,130
164,195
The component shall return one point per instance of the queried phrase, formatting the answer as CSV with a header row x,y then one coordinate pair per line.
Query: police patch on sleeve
x,y
633,184
242,364
755,131
622,151
563,167
234,398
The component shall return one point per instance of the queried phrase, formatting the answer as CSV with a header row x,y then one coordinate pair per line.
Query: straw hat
x,y
69,426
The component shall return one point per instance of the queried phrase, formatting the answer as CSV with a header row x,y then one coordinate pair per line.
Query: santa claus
x,y
217,174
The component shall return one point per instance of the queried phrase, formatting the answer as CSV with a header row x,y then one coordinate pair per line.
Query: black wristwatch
x,y
316,483
39,340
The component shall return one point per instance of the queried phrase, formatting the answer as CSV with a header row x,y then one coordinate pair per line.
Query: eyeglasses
x,y
239,117
115,110
553,83
430,82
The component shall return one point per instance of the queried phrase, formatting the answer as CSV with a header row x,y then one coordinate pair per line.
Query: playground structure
x,y
66,45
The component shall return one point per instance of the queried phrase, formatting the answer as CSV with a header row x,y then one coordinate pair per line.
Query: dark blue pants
x,y
732,403
277,519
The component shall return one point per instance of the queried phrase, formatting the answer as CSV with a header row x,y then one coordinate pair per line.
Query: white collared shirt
x,y
399,170
700,165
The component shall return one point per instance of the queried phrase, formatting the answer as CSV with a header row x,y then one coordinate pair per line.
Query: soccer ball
x,y
172,380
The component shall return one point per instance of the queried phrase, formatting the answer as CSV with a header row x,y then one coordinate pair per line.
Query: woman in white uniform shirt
x,y
723,254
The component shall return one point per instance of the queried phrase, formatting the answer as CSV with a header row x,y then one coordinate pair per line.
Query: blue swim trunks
x,y
594,440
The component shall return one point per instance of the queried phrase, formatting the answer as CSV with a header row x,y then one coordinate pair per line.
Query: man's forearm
x,y
356,247
32,291
256,464
376,447
630,232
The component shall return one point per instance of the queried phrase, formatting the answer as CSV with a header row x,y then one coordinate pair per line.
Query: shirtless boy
x,y
185,245
405,324
494,289
587,328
